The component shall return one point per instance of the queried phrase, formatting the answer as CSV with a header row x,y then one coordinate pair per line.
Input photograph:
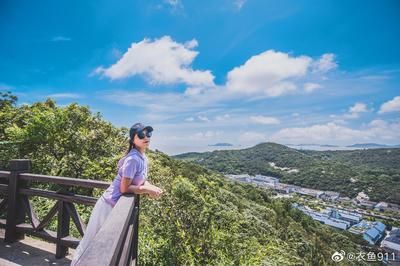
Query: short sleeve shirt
x,y
133,166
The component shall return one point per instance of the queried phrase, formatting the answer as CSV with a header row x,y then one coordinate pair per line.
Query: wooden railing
x,y
115,244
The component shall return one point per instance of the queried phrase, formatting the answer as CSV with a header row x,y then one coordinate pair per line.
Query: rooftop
x,y
394,236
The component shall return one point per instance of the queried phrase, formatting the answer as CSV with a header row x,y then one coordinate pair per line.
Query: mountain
x,y
206,219
312,145
221,145
368,145
376,171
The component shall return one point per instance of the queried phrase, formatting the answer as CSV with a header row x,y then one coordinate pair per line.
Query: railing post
x,y
136,232
62,229
15,210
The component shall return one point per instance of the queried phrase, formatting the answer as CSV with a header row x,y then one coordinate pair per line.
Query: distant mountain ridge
x,y
375,170
372,145
223,144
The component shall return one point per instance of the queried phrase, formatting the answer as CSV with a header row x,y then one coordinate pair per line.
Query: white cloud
x,y
65,96
391,106
191,44
189,119
358,108
376,131
60,39
203,118
264,120
268,73
310,87
192,91
162,61
205,135
222,117
166,103
325,63
355,110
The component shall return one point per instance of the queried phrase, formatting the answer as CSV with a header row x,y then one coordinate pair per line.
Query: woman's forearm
x,y
136,189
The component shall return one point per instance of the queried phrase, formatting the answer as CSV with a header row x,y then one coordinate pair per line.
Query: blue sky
x,y
203,72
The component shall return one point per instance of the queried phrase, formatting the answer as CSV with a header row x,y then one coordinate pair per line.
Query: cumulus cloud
x,y
325,63
162,61
264,120
358,108
376,131
391,106
310,87
355,110
269,73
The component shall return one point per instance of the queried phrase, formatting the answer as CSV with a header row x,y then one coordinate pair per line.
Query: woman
x,y
131,178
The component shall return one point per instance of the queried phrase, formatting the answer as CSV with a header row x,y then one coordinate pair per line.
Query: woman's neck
x,y
141,150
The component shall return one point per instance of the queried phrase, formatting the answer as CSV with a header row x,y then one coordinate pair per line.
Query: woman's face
x,y
142,143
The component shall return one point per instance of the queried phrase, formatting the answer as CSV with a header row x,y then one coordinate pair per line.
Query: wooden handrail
x,y
68,181
86,200
5,174
115,243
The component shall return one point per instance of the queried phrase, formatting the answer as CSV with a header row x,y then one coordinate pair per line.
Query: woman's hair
x,y
131,144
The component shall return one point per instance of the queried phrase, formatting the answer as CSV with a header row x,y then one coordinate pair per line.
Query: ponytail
x,y
131,145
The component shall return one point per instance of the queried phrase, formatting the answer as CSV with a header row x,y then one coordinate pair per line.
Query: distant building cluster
x,y
332,217
273,183
372,232
362,199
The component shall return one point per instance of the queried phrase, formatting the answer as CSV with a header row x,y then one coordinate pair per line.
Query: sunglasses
x,y
143,134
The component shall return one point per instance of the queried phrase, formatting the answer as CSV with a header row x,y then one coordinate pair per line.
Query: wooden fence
x,y
115,244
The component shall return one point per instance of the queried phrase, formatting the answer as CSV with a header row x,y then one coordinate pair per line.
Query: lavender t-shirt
x,y
132,166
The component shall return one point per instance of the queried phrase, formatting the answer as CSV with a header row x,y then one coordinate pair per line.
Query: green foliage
x,y
202,219
63,141
375,171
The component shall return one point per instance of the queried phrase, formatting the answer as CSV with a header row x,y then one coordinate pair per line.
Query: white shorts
x,y
99,215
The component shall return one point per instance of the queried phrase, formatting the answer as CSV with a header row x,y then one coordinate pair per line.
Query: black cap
x,y
138,127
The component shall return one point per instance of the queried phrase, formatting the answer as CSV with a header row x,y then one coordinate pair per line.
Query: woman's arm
x,y
146,188
126,187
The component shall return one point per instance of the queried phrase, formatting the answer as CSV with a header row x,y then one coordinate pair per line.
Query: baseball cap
x,y
137,128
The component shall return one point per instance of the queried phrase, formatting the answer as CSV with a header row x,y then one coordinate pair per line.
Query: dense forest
x,y
375,171
203,219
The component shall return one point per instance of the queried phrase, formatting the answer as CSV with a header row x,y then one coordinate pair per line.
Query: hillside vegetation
x,y
203,219
376,172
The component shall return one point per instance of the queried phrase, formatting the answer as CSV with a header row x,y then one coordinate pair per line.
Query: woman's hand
x,y
153,191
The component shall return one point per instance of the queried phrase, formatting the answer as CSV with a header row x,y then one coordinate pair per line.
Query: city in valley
x,y
377,222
